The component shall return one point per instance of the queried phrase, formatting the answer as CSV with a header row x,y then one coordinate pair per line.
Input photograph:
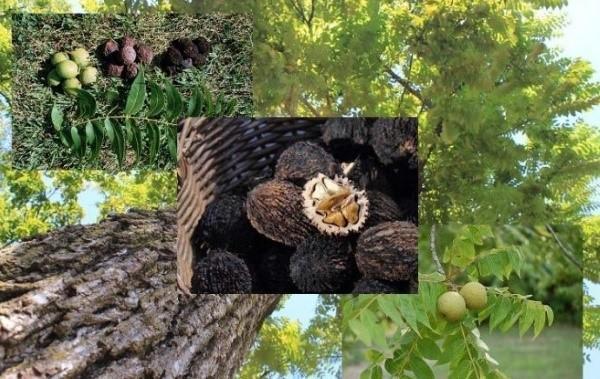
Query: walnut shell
x,y
128,41
127,55
131,71
388,251
144,53
203,45
221,272
323,264
187,48
394,139
382,208
303,161
173,56
109,48
274,209
115,70
345,130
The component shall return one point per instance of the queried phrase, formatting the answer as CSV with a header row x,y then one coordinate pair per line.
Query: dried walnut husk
x,y
274,209
334,206
388,251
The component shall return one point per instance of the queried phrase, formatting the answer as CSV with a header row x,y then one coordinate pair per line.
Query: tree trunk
x,y
101,301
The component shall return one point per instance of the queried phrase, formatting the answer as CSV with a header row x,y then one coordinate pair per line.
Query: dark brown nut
x,y
382,208
127,55
221,272
144,54
274,209
110,47
348,130
115,70
224,224
128,41
131,71
173,56
388,251
303,161
323,264
203,45
187,47
393,139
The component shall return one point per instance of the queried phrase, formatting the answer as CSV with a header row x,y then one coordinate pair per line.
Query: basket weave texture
x,y
217,155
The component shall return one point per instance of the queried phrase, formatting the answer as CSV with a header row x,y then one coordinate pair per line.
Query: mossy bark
x,y
100,301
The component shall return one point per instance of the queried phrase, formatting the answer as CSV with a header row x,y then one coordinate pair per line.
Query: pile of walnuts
x,y
184,53
335,215
123,60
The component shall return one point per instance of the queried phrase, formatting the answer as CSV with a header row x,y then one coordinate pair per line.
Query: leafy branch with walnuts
x,y
407,335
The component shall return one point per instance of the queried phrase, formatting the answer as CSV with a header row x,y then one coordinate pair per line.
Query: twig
x,y
564,249
434,253
408,87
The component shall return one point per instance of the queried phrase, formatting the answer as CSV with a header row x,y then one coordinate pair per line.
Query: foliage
x,y
591,315
283,347
34,202
406,334
144,126
36,145
500,137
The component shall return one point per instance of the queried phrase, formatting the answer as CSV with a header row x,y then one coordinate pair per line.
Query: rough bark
x,y
100,301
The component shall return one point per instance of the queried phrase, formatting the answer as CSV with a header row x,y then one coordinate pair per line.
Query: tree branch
x,y
434,253
563,248
407,86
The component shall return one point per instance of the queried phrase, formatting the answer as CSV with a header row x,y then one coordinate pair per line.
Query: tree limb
x,y
563,248
408,87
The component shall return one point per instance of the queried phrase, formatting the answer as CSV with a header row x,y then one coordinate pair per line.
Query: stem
x,y
473,362
434,253
124,117
564,249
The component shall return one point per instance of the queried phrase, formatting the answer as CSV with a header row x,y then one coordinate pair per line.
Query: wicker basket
x,y
217,155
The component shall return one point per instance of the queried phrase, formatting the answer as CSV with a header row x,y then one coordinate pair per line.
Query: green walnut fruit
x,y
67,69
80,56
452,306
53,78
475,295
59,57
88,75
71,86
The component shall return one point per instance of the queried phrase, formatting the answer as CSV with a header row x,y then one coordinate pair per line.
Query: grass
x,y
35,37
555,354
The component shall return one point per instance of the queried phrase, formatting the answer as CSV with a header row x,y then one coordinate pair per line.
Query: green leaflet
x,y
156,100
90,134
86,104
174,102
172,142
136,137
75,139
109,130
195,103
137,95
57,117
154,141
119,144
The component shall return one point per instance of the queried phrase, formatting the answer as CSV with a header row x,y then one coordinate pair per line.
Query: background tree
x,y
500,137
591,315
101,301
